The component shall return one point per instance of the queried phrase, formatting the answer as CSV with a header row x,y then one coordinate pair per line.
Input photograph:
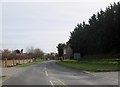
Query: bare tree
x,y
35,52
38,53
6,53
30,50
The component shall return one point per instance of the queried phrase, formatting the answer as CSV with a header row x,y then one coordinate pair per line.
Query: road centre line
x,y
46,71
52,83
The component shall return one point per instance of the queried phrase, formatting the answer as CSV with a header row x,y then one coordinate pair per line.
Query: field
x,y
94,65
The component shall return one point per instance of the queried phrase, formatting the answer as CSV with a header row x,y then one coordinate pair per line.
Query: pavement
x,y
52,74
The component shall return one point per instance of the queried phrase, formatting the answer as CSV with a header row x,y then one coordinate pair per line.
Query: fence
x,y
10,63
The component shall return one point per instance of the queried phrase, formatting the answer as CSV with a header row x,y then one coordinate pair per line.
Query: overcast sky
x,y
43,24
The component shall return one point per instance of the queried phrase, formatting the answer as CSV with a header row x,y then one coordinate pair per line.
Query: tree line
x,y
31,53
18,54
101,35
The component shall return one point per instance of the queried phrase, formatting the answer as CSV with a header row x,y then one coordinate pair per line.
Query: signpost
x,y
77,56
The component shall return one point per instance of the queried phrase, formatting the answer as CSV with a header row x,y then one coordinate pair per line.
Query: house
x,y
67,51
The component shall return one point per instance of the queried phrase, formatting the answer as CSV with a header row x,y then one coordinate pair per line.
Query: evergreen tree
x,y
100,35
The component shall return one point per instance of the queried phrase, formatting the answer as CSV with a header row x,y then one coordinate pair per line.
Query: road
x,y
52,74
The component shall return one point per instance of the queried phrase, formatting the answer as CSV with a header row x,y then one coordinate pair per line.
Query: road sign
x,y
77,56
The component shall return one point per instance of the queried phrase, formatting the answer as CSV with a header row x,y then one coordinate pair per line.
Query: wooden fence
x,y
10,63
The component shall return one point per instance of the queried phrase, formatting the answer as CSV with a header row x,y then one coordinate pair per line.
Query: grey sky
x,y
43,24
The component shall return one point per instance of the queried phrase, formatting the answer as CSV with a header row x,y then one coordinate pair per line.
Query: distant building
x,y
67,51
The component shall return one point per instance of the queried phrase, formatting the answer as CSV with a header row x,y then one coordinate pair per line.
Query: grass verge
x,y
2,76
34,62
91,65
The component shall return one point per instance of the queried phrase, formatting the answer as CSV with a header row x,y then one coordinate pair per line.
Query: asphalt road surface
x,y
52,74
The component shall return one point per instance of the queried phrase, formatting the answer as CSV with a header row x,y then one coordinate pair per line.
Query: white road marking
x,y
61,81
52,83
89,73
46,71
64,85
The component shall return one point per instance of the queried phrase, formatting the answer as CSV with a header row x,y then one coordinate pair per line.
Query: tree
x,y
17,51
5,54
60,48
101,35
38,53
35,52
